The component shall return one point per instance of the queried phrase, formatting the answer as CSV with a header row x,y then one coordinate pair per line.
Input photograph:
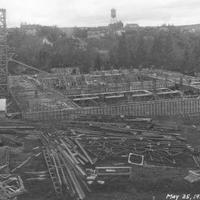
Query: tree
x,y
98,63
122,52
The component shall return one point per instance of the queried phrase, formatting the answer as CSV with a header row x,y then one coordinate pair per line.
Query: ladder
x,y
53,174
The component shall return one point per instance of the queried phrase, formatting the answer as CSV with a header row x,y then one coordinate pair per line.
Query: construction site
x,y
118,134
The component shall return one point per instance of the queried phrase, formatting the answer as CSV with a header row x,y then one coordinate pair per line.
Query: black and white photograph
x,y
99,100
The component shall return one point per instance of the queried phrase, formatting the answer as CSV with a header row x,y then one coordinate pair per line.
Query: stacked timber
x,y
88,152
68,176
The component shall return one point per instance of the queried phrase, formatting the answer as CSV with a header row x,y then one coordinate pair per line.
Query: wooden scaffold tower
x,y
3,55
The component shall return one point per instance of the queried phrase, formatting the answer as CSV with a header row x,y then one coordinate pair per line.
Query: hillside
x,y
170,47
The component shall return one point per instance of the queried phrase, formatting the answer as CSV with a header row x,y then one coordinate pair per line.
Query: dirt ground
x,y
144,184
35,190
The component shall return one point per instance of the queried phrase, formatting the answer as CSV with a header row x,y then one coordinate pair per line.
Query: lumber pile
x,y
10,187
92,151
67,174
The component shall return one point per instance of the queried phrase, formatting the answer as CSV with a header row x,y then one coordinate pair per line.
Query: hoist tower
x,y
3,55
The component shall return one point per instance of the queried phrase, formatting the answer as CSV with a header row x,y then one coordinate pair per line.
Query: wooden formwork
x,y
151,85
170,107
140,85
117,87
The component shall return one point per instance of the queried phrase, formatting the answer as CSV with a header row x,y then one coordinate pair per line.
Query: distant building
x,y
47,42
131,27
30,29
69,31
164,28
66,70
195,28
97,32
116,26
80,44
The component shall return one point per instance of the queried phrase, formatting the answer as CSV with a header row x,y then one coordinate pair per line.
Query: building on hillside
x,y
69,31
115,27
131,27
66,70
47,42
118,26
81,44
97,32
195,28
30,29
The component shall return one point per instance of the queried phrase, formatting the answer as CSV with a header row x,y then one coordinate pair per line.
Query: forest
x,y
166,47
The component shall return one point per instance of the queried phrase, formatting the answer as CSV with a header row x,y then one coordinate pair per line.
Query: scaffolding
x,y
3,54
31,96
180,107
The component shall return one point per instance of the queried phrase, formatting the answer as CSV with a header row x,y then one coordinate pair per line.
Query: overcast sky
x,y
65,13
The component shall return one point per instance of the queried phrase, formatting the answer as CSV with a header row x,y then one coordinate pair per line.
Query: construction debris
x,y
91,152
11,187
37,176
27,160
4,159
193,176
103,142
